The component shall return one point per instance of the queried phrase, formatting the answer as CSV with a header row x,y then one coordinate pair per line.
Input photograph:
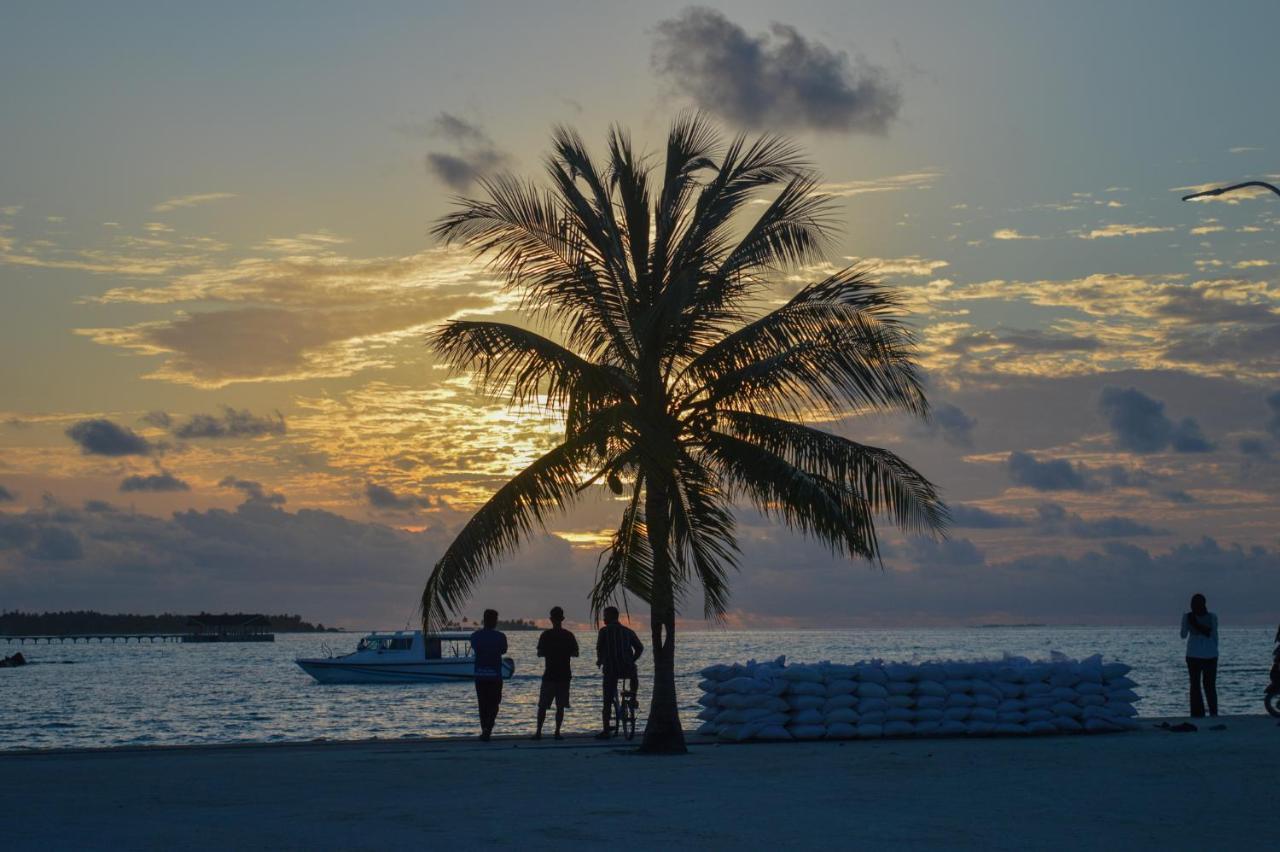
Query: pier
x,y
98,637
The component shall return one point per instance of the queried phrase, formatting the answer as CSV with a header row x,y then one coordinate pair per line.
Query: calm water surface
x,y
99,695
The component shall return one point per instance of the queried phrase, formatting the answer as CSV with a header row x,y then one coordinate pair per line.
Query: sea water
x,y
152,694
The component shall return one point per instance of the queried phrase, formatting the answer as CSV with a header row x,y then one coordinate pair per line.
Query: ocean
x,y
169,694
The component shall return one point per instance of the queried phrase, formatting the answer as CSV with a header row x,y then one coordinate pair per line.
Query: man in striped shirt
x,y
617,649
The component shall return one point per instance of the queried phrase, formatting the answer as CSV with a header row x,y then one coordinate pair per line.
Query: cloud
x,y
191,201
1254,448
253,491
964,516
162,481
1119,230
951,423
7,496
1012,234
774,80
101,437
159,419
231,423
958,552
889,183
55,544
1051,475
1053,519
1242,149
474,156
1139,424
1201,230
913,265
1273,421
382,497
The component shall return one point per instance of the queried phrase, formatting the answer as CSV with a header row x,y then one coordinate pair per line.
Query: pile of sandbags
x,y
1013,696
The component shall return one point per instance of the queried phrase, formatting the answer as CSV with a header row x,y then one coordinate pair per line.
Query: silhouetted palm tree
x,y
672,393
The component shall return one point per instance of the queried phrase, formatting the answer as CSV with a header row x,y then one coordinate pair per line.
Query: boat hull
x,y
430,671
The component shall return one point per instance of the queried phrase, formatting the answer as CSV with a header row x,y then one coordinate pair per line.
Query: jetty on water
x,y
203,628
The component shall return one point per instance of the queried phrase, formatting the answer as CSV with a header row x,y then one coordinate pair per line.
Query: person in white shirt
x,y
1200,629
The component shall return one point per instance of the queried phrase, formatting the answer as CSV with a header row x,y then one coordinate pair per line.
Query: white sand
x,y
1210,790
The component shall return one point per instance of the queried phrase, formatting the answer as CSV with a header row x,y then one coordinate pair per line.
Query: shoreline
x,y
1092,791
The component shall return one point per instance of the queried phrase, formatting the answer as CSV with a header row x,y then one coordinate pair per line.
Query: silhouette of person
x,y
617,649
1200,629
489,644
557,646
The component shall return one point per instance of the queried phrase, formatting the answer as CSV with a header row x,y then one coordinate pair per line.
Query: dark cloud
x,y
15,532
231,423
1051,475
474,156
1273,421
7,496
1243,348
382,497
957,552
98,506
162,481
951,423
1027,341
101,437
973,517
1140,425
778,80
253,491
159,419
1056,520
1255,448
56,544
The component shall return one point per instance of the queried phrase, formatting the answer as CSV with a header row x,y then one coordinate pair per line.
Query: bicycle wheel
x,y
1272,703
628,718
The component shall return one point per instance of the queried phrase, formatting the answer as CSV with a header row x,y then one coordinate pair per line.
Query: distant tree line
x,y
503,624
87,621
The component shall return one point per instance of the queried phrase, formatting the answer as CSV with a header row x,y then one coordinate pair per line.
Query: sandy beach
x,y
1143,790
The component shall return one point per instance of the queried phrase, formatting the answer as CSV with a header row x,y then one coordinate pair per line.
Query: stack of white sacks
x,y
774,701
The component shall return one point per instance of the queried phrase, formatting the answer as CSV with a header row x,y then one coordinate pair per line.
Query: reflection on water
x,y
172,693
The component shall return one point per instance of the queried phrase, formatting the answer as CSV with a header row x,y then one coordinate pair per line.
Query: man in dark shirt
x,y
617,649
488,644
556,646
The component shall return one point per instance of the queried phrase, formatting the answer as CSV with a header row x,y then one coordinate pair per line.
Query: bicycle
x,y
625,705
1271,698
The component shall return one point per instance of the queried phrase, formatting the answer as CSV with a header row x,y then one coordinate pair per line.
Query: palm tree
x,y
671,392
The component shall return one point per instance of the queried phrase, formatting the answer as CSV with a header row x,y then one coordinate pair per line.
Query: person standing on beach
x,y
557,646
489,644
617,649
1200,629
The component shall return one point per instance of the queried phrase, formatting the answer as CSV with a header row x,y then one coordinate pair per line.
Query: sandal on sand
x,y
1185,727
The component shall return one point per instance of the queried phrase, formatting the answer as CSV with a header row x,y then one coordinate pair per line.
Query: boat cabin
x,y
434,646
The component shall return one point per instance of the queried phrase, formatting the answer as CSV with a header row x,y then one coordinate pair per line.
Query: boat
x,y
402,656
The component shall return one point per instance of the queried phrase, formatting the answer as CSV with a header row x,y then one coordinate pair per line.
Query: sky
x,y
216,277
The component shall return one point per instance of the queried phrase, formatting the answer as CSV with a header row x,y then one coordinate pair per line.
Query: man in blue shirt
x,y
488,644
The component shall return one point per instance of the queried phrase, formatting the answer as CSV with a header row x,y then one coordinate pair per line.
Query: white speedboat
x,y
402,657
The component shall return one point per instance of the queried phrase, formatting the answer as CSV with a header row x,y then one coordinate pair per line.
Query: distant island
x,y
87,621
512,624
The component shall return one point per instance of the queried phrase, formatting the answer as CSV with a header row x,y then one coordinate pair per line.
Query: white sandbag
x,y
955,714
1031,690
1120,683
1091,700
901,701
708,685
842,714
841,687
806,717
1112,671
988,702
1039,714
836,702
958,686
733,699
1009,690
933,672
900,672
1101,726
952,728
931,702
1087,688
928,715
717,673
872,674
797,674
1010,729
805,702
709,729
959,699
899,714
772,732
730,732
1040,702
1126,710
988,688
732,716
872,705
978,728
1011,718
899,729
841,730
1067,724
1041,726
982,714
927,729
1125,695
900,687
869,731
709,700
874,717
1064,693
744,685
869,689
930,688
805,687
706,714
1011,705
1063,708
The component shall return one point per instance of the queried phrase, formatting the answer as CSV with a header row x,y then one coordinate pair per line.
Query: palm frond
x,y
629,563
877,476
702,528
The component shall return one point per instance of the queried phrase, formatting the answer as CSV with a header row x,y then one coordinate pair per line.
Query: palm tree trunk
x,y
662,732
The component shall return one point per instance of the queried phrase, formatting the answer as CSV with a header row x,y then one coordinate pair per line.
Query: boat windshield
x,y
385,643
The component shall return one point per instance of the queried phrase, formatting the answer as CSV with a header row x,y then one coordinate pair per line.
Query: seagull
x,y
1220,190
